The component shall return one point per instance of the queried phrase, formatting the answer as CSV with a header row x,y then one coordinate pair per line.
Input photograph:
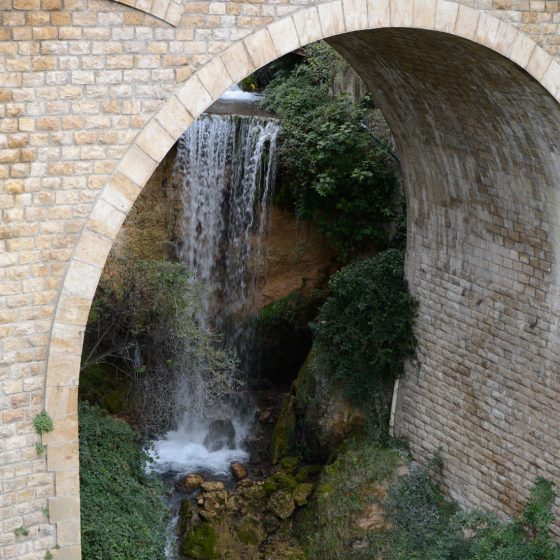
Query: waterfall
x,y
224,169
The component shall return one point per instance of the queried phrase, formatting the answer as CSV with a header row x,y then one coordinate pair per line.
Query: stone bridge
x,y
93,93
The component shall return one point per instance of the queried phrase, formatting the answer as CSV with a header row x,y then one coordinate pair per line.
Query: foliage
x,y
39,448
43,423
331,170
525,538
144,326
421,519
200,543
122,512
48,555
364,333
328,527
21,531
424,526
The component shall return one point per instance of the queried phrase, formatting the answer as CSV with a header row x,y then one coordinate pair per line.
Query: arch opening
x,y
481,164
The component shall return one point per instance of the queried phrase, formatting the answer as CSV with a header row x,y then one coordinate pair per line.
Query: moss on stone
x,y
289,463
283,436
306,473
184,516
279,481
249,531
200,543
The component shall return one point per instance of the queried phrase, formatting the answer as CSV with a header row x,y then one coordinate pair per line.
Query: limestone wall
x,y
93,93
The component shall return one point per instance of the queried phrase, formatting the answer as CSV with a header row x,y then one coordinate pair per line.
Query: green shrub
x,y
425,526
364,333
122,512
331,171
143,329
525,538
43,423
200,543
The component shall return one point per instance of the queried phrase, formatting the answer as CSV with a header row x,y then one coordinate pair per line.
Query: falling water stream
x,y
224,169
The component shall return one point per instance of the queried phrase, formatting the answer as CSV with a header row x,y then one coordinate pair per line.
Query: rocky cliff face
x,y
295,253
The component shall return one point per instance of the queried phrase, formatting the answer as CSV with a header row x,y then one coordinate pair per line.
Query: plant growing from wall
x,y
43,423
21,531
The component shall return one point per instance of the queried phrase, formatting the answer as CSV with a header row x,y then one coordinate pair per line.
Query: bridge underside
x,y
478,139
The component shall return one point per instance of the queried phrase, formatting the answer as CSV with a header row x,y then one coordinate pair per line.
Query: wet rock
x,y
238,470
212,486
221,435
281,504
185,517
266,416
190,482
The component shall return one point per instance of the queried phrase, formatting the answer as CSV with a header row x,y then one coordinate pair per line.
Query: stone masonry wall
x,y
93,93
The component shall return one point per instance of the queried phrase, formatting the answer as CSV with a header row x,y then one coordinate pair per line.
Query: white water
x,y
235,93
182,451
224,168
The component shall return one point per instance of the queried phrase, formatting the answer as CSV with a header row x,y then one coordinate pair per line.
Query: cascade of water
x,y
225,169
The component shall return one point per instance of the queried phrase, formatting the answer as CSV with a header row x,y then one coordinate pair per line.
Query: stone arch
x,y
169,11
242,58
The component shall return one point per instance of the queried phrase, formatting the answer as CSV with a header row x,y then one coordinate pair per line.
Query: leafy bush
x,y
331,170
144,326
424,526
364,332
122,512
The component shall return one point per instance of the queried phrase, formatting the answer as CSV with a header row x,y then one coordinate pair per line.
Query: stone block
x,y
331,17
284,36
260,47
154,141
194,96
237,62
379,13
402,13
174,118
308,25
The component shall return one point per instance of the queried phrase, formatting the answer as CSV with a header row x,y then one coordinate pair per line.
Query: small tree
x,y
145,325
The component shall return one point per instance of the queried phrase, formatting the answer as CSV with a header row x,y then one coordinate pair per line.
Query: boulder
x,y
190,482
302,492
212,486
238,470
281,504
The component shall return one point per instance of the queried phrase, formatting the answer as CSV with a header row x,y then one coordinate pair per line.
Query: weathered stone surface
x,y
238,470
191,482
282,504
